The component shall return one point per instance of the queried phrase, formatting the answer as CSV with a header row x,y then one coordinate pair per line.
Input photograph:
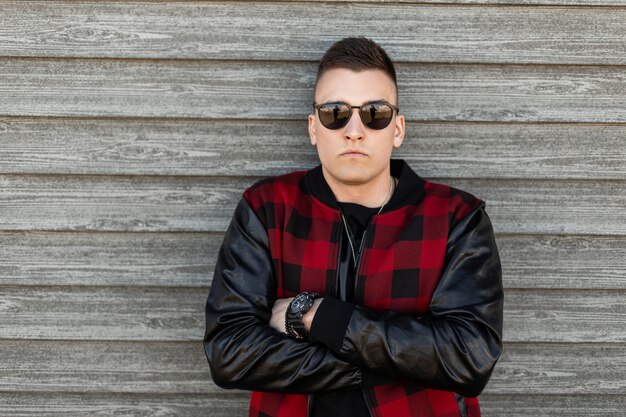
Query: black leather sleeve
x,y
242,349
456,345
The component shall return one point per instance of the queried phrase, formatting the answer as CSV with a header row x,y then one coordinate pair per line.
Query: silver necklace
x,y
345,225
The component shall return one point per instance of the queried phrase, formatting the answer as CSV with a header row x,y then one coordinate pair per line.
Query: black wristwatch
x,y
298,307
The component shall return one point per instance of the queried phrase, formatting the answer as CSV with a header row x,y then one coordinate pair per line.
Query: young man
x,y
356,288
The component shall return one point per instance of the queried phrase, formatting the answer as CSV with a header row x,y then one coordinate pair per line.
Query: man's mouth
x,y
354,153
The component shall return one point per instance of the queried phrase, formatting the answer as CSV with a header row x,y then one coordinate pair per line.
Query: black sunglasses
x,y
376,115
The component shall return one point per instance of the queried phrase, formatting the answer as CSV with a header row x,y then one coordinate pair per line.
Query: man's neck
x,y
374,193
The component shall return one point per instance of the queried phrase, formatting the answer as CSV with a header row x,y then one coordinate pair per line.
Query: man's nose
x,y
355,130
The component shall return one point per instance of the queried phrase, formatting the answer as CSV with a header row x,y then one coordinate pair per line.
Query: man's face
x,y
355,154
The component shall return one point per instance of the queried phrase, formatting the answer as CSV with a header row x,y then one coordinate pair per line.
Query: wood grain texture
x,y
266,147
493,405
188,259
563,261
222,404
24,405
556,369
108,259
102,313
283,90
118,203
105,367
163,314
486,2
228,405
206,204
566,316
273,31
181,368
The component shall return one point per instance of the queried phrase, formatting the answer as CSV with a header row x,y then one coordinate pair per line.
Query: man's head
x,y
355,149
357,54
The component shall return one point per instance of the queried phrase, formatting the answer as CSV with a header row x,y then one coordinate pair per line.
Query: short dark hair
x,y
356,54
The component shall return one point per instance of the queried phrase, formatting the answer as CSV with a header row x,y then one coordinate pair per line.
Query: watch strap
x,y
293,319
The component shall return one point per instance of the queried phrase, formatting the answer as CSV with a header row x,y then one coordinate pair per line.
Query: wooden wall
x,y
129,129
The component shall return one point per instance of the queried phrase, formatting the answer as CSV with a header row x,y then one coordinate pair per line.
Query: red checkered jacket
x,y
426,330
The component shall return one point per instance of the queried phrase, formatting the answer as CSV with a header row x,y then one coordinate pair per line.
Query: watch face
x,y
300,303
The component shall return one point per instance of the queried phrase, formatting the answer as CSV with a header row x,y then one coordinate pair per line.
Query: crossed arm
x,y
454,347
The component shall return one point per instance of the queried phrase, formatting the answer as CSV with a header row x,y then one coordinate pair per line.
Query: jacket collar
x,y
410,188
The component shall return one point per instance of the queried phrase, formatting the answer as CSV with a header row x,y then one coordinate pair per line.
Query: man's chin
x,y
354,177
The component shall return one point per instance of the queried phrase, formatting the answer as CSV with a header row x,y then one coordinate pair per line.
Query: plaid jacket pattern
x,y
400,268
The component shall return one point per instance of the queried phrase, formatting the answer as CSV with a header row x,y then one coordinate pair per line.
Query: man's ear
x,y
398,136
312,135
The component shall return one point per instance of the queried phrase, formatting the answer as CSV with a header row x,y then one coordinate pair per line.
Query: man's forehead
x,y
355,87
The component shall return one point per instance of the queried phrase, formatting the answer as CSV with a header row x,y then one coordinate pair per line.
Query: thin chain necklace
x,y
357,255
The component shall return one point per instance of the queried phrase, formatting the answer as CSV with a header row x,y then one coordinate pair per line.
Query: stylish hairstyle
x,y
356,54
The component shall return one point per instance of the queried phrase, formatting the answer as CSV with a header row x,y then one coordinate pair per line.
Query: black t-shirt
x,y
351,402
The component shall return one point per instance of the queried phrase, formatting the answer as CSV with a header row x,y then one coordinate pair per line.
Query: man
x,y
356,288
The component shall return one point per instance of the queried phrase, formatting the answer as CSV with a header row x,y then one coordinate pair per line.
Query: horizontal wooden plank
x,y
146,203
154,146
188,259
118,203
283,90
170,368
108,259
565,316
102,313
258,148
487,2
104,367
560,261
508,405
556,369
149,313
224,404
227,30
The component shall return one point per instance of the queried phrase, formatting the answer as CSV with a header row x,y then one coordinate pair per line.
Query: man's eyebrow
x,y
339,100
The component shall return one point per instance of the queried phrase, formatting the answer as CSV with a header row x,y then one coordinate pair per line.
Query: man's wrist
x,y
307,319
300,305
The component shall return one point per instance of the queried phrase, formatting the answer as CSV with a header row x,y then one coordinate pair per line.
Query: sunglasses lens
x,y
376,116
334,115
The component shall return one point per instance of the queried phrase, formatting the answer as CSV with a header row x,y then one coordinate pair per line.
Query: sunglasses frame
x,y
393,108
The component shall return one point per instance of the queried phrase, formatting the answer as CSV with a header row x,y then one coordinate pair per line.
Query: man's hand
x,y
277,320
278,314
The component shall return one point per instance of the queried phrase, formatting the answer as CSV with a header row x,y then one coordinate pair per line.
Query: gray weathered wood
x,y
555,369
188,259
283,90
563,261
418,32
147,313
154,146
101,259
118,203
222,404
491,2
187,147
140,203
104,367
169,368
102,313
493,405
565,316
